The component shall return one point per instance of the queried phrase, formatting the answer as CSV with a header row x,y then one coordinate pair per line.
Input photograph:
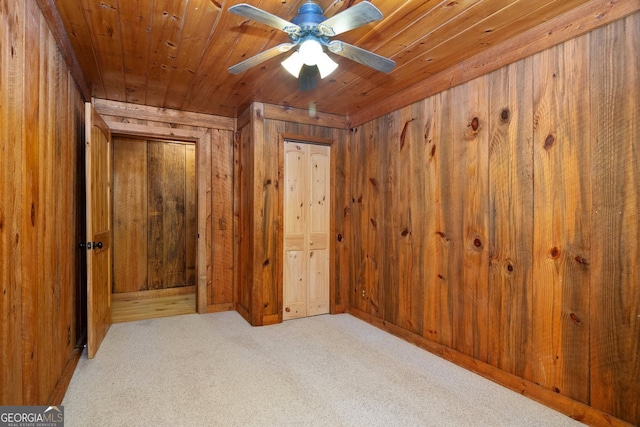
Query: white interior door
x,y
306,229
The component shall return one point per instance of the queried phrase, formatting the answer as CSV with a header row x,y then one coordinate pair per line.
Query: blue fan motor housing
x,y
309,15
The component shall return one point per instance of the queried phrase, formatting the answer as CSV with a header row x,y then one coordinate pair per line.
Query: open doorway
x,y
154,228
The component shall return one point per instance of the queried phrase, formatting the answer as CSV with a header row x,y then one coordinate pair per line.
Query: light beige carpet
x,y
216,370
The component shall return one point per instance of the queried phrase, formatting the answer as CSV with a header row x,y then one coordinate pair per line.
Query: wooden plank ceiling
x,y
175,53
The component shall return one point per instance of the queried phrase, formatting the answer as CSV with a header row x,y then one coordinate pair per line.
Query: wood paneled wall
x,y
259,200
41,137
497,221
154,215
213,137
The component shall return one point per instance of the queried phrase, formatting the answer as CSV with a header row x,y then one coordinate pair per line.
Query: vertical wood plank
x,y
270,225
204,245
471,121
445,268
130,194
357,238
408,203
371,196
244,259
11,83
222,222
174,224
31,202
260,264
341,173
615,170
433,280
190,215
562,199
47,164
511,218
155,217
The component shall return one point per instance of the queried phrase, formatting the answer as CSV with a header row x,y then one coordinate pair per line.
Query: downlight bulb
x,y
311,51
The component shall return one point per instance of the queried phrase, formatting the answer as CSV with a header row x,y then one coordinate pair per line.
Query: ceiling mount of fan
x,y
311,32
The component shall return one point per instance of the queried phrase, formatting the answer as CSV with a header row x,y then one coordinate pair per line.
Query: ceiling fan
x,y
312,32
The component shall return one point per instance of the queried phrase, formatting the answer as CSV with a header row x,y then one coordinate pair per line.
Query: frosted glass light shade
x,y
293,64
326,65
311,50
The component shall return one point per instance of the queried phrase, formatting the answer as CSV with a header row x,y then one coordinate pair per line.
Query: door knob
x,y
98,245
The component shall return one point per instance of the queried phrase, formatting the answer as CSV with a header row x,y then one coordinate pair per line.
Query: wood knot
x,y
581,261
574,318
505,115
373,222
339,237
475,124
549,141
404,232
477,243
554,252
442,236
266,262
433,150
510,268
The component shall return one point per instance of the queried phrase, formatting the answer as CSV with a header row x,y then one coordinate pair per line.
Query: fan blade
x,y
267,18
351,18
260,58
362,56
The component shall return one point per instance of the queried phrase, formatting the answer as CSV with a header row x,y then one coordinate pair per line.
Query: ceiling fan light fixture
x,y
326,65
293,64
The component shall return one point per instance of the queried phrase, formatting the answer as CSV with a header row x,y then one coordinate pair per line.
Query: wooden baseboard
x,y
216,308
572,408
271,319
129,310
153,293
243,312
339,309
65,378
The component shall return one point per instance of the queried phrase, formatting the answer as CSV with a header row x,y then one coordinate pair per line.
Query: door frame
x,y
334,308
201,140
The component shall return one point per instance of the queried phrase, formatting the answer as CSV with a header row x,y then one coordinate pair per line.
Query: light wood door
x,y
98,177
306,229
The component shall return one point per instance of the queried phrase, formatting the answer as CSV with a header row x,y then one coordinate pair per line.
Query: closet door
x,y
306,230
98,185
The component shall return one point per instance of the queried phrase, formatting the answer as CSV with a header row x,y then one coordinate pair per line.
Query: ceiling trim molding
x,y
52,17
307,117
574,23
157,114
